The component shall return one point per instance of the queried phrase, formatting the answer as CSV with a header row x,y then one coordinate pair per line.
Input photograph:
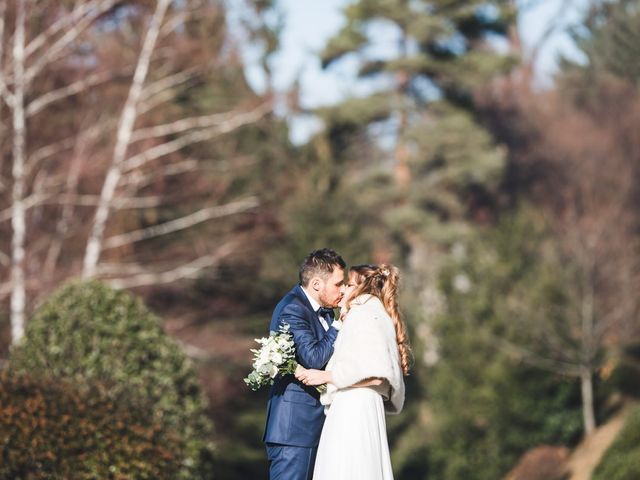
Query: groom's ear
x,y
316,284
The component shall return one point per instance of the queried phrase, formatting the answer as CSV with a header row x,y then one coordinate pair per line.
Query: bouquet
x,y
276,356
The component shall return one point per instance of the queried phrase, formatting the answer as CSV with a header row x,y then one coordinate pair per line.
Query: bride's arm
x,y
319,377
369,382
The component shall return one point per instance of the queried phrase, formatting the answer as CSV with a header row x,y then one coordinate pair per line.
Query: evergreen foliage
x,y
489,404
442,158
423,167
610,39
51,429
88,332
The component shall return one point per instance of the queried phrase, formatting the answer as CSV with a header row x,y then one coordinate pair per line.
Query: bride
x,y
363,377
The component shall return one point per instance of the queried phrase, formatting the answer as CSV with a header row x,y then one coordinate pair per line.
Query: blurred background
x,y
166,165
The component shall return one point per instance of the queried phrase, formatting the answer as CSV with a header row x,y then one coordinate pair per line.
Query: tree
x,y
417,143
608,37
120,80
51,429
501,386
574,155
87,333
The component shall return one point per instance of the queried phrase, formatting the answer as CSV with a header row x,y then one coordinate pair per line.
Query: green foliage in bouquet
x,y
51,429
622,460
89,332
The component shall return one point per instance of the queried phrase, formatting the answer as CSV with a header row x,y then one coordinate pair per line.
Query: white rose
x,y
262,358
265,368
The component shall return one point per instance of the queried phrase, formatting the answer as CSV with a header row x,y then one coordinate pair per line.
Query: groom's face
x,y
332,289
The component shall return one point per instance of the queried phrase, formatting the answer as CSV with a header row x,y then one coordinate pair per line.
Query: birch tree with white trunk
x,y
50,202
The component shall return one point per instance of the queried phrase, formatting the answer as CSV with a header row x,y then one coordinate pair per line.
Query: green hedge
x,y
50,429
89,332
622,460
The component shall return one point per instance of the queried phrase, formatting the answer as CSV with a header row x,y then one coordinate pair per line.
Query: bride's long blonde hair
x,y
382,281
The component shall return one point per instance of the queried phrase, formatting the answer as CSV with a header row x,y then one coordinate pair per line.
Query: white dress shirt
x,y
315,305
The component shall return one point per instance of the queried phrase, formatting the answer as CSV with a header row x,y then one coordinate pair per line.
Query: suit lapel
x,y
313,316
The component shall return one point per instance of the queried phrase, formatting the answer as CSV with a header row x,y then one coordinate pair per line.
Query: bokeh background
x,y
166,165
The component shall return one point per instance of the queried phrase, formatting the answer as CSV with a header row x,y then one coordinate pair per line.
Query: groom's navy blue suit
x,y
294,413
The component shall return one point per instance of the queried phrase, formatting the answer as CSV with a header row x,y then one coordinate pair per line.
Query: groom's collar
x,y
314,304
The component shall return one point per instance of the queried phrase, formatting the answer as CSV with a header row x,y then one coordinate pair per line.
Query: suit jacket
x,y
294,413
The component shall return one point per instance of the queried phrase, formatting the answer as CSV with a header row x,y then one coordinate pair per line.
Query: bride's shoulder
x,y
365,305
365,299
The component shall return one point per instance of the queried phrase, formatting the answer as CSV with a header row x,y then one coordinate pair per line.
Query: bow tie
x,y
323,312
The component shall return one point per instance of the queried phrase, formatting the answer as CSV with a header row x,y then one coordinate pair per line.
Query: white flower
x,y
276,357
266,368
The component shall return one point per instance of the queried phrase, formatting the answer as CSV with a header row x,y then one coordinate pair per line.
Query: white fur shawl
x,y
366,347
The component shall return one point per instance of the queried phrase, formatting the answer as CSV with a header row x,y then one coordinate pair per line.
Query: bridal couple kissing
x,y
361,357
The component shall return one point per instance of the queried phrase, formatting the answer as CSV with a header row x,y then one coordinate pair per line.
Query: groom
x,y
294,413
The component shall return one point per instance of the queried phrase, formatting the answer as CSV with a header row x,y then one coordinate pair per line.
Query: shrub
x,y
89,332
50,429
622,460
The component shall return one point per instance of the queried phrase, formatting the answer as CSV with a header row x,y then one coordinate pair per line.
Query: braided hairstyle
x,y
382,281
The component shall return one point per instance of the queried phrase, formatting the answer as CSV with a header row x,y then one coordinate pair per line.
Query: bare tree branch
x,y
138,179
64,222
5,260
65,144
110,269
122,203
94,200
77,26
175,21
3,11
194,137
531,358
169,82
181,223
50,150
156,100
4,91
190,270
193,351
28,202
125,128
72,89
226,120
65,21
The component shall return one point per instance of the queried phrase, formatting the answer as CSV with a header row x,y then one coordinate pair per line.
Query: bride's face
x,y
349,288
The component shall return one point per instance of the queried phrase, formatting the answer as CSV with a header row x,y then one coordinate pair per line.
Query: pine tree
x,y
424,168
609,38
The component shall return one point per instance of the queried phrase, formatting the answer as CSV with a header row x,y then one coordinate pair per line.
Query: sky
x,y
310,23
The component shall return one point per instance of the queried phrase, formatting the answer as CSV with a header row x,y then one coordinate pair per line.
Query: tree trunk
x,y
588,412
588,337
18,211
125,129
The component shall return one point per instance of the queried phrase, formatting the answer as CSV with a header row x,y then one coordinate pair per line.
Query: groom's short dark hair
x,y
320,263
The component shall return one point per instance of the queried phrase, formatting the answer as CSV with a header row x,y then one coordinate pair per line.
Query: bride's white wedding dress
x,y
353,444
